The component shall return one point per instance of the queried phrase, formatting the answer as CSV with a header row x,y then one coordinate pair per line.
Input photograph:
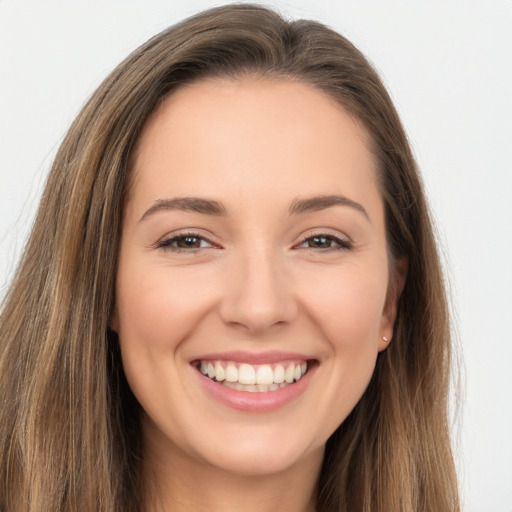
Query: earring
x,y
385,339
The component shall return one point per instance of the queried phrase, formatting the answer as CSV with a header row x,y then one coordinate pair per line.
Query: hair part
x,y
69,424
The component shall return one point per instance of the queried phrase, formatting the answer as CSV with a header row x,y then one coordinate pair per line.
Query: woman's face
x,y
253,250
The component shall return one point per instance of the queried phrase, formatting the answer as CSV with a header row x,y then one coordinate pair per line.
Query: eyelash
x,y
341,244
166,244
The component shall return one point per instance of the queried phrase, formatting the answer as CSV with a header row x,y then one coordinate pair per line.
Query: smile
x,y
260,378
255,383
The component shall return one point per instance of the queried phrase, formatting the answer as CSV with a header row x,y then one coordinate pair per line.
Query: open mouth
x,y
259,378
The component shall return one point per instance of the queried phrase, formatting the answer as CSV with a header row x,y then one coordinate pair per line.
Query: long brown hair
x,y
69,425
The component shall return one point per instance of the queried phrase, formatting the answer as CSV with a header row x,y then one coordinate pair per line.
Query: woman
x,y
231,297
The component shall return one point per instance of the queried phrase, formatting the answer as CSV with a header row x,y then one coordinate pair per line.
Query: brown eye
x,y
184,243
319,242
326,243
187,242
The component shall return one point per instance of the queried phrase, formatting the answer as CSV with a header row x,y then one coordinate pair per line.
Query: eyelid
x,y
165,242
344,242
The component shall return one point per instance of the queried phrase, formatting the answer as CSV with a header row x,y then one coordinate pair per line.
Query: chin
x,y
257,451
252,461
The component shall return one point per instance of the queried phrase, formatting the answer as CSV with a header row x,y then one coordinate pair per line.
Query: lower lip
x,y
257,401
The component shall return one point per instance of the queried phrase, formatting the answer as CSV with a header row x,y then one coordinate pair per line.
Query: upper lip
x,y
241,356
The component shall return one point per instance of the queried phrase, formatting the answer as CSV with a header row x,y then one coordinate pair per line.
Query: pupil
x,y
321,241
188,241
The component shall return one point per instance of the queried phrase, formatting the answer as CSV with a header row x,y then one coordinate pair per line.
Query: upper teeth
x,y
244,373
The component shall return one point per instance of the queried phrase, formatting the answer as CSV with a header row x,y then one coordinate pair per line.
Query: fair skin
x,y
259,273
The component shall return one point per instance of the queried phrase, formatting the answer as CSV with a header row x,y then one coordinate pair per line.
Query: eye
x,y
186,242
325,242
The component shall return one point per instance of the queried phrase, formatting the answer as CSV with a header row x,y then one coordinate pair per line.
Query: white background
x,y
448,66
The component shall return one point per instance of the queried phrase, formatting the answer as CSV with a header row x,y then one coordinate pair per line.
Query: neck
x,y
178,482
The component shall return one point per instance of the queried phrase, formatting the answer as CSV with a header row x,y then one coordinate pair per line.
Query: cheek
x,y
347,305
157,307
347,308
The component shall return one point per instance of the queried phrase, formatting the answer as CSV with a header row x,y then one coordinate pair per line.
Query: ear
x,y
396,285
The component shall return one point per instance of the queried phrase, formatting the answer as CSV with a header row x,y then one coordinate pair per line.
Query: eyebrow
x,y
187,204
317,203
211,207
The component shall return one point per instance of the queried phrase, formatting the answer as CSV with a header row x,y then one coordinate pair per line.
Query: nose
x,y
259,293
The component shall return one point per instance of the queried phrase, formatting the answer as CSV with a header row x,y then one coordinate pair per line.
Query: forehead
x,y
242,136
